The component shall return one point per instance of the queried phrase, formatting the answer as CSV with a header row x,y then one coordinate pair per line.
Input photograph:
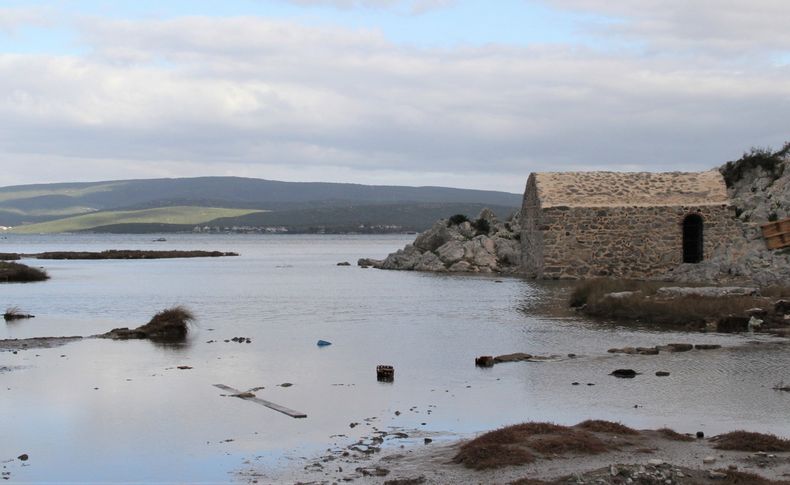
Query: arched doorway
x,y
692,239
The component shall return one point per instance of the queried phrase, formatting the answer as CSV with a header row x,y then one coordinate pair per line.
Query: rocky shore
x,y
458,245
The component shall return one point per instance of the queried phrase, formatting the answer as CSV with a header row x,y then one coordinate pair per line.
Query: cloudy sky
x,y
463,93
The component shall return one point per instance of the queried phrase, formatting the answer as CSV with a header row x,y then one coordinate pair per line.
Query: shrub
x,y
770,161
482,226
9,256
457,220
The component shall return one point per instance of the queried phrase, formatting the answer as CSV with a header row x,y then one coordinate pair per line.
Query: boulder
x,y
403,259
465,230
508,252
434,237
367,262
451,252
707,346
461,267
429,262
679,347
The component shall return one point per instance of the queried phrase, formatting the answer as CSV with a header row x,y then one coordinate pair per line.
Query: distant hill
x,y
126,205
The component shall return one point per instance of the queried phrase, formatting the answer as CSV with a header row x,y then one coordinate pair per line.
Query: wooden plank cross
x,y
251,397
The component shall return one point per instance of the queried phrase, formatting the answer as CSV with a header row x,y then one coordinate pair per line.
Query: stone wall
x,y
531,236
631,242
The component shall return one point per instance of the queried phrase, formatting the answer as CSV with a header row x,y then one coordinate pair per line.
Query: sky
x,y
459,93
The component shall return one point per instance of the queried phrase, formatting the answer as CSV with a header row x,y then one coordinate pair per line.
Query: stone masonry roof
x,y
618,189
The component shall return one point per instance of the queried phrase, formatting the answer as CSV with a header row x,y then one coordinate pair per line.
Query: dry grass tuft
x,y
673,435
580,442
489,455
601,426
516,445
170,324
15,313
748,441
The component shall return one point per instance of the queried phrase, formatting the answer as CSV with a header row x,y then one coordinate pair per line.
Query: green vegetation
x,y
163,215
20,273
68,190
482,226
457,219
765,158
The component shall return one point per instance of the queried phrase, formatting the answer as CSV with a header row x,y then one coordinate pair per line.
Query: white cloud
x,y
12,18
704,26
247,96
415,7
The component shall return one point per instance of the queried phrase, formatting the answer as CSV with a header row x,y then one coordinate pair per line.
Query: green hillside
x,y
177,215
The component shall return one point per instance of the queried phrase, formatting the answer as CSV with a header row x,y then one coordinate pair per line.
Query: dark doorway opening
x,y
692,239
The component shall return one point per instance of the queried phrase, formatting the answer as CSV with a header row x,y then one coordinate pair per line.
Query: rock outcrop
x,y
759,187
457,245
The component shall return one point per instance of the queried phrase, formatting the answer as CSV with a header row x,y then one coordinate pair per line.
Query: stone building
x,y
630,225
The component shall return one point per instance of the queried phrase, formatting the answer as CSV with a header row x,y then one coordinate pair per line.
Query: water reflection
x,y
118,403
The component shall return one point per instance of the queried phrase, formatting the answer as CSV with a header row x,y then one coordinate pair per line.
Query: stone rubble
x,y
485,245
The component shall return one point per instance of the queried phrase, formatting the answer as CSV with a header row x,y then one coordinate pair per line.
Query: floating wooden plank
x,y
263,402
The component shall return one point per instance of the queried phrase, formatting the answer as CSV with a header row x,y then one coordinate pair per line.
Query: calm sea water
x,y
102,411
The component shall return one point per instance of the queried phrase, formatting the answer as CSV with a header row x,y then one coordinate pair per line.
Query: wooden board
x,y
777,234
263,402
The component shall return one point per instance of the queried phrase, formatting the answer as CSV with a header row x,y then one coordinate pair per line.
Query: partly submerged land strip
x,y
126,254
13,345
20,273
